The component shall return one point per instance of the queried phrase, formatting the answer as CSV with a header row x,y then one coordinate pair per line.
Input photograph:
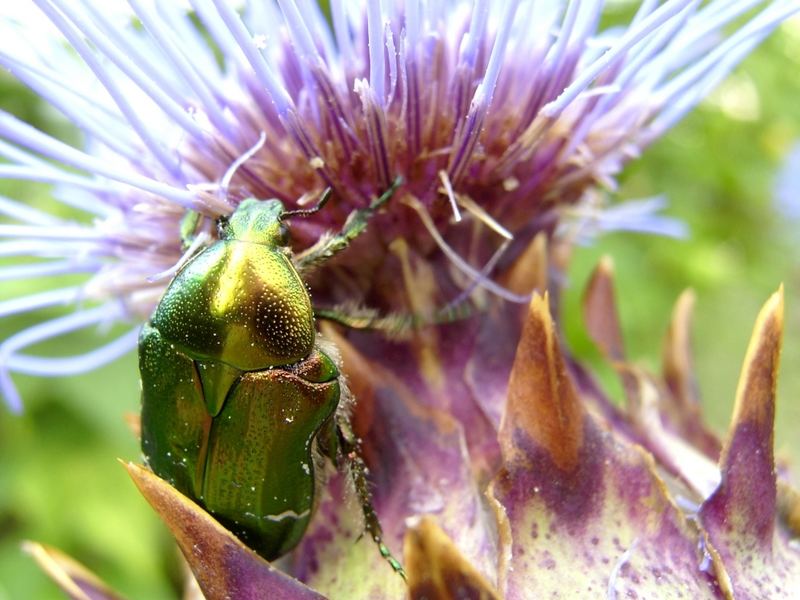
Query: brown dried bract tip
x,y
755,394
600,311
541,398
530,269
222,565
437,570
75,580
677,354
603,325
746,499
740,516
683,400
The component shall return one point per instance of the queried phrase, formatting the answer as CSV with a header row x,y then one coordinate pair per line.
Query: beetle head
x,y
258,222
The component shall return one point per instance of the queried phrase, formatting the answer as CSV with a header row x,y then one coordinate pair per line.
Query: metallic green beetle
x,y
237,394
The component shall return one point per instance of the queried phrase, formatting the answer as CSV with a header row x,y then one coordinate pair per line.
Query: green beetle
x,y
238,396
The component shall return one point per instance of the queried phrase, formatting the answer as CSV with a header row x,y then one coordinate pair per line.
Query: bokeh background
x,y
721,169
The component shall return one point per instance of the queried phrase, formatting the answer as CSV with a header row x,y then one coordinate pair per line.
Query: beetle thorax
x,y
240,302
258,222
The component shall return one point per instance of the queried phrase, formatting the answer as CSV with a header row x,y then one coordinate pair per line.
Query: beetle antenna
x,y
305,212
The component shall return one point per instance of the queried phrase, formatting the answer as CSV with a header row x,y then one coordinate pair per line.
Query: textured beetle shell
x,y
240,303
253,465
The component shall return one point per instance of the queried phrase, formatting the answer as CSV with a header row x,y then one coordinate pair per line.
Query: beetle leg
x,y
189,223
395,324
351,452
355,225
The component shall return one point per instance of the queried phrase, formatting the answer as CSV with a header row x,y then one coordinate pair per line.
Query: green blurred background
x,y
60,482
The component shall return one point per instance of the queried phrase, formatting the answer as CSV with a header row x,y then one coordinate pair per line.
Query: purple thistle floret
x,y
520,107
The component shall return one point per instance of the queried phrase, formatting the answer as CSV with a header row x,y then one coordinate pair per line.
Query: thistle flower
x,y
504,120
